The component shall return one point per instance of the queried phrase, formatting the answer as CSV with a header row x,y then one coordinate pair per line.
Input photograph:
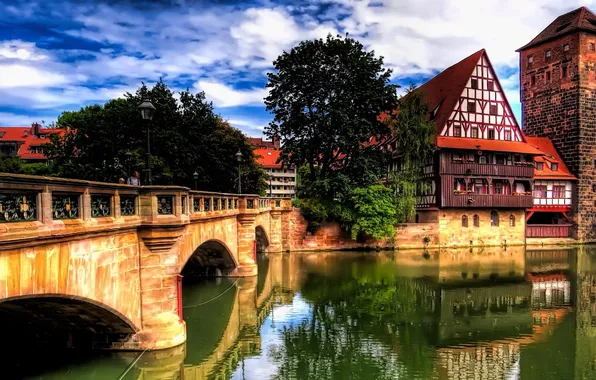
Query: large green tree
x,y
326,96
186,136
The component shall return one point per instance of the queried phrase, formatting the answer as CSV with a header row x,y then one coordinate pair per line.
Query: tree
x,y
326,97
186,136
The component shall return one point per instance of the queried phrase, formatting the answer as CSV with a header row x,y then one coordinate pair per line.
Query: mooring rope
x,y
127,369
214,298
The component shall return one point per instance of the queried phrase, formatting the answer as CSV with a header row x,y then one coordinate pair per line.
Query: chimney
x,y
35,129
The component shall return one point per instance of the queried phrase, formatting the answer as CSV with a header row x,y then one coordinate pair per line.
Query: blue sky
x,y
61,55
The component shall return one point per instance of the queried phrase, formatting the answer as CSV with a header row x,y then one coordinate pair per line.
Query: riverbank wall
x,y
446,231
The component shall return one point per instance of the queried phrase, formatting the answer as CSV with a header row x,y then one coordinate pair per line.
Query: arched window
x,y
476,220
417,218
511,221
464,221
494,218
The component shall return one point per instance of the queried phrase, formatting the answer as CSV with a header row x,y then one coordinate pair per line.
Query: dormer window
x,y
592,46
554,166
490,85
540,166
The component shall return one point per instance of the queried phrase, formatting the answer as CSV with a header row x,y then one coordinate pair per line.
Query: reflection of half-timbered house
x,y
480,179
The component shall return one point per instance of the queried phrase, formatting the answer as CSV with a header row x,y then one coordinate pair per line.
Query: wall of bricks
x,y
564,109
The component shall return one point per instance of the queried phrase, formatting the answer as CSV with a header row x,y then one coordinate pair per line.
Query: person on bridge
x,y
134,180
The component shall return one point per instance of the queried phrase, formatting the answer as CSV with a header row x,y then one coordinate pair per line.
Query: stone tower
x,y
558,93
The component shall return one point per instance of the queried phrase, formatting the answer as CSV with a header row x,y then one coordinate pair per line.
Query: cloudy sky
x,y
60,55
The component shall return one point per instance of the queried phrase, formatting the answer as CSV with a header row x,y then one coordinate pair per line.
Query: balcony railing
x,y
548,230
472,168
487,200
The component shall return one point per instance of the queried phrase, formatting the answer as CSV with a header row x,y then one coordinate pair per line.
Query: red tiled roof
x,y
268,157
550,155
489,145
579,19
445,88
26,138
266,144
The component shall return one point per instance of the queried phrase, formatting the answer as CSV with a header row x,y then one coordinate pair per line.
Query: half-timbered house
x,y
480,177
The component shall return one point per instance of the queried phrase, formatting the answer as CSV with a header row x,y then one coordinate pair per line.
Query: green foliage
x,y
326,96
186,135
374,212
17,166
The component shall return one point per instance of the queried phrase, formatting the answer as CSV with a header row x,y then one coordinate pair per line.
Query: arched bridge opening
x,y
261,239
212,258
57,330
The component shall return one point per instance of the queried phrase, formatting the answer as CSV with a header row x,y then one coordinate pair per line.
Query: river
x,y
455,314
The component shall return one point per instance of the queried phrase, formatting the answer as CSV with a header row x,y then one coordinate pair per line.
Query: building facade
x,y
281,180
26,142
558,92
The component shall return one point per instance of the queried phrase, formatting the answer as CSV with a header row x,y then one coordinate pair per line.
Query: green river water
x,y
454,314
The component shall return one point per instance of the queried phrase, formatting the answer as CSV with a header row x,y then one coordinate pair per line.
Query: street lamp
x,y
195,175
239,159
147,111
270,187
128,156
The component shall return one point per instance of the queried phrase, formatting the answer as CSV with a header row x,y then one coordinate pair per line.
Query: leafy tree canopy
x,y
326,96
186,136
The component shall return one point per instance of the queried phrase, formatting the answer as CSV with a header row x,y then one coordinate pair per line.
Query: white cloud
x,y
16,75
8,119
225,96
21,50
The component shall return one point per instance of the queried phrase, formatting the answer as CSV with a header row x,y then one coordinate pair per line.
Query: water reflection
x,y
468,314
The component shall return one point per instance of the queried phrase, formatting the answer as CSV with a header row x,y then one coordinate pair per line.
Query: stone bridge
x,y
102,263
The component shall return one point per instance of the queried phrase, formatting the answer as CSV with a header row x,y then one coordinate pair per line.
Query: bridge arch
x,y
211,258
62,320
262,238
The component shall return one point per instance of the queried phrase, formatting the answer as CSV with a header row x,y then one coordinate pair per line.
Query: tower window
x,y
474,83
564,72
548,76
566,47
547,54
533,80
493,109
592,46
471,106
530,60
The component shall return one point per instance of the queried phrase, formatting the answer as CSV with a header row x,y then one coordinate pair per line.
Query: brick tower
x,y
558,87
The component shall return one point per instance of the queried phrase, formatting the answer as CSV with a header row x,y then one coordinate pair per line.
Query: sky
x,y
61,55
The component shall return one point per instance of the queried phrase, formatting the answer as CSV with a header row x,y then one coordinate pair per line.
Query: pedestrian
x,y
121,181
134,180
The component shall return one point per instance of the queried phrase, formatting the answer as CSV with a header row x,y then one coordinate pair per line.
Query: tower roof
x,y
579,19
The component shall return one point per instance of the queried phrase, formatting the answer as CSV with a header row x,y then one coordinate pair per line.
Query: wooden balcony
x,y
487,201
472,168
548,230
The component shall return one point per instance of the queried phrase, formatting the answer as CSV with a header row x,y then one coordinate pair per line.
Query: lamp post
x,y
239,159
195,175
270,187
147,111
128,156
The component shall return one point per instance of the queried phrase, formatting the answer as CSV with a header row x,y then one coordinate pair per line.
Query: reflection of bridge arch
x,y
212,258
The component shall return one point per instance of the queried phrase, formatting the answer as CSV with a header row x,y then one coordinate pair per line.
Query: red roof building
x,y
258,142
26,142
282,181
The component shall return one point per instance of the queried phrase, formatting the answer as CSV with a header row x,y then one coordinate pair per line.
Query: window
x,y
493,109
548,76
474,83
482,160
594,187
474,132
591,46
500,159
566,47
564,72
511,221
547,54
517,158
533,80
471,106
476,221
456,131
490,85
554,166
559,191
539,191
540,166
530,60
494,218
498,188
508,135
464,221
491,134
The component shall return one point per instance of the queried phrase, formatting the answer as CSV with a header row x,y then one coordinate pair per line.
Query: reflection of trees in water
x,y
365,323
